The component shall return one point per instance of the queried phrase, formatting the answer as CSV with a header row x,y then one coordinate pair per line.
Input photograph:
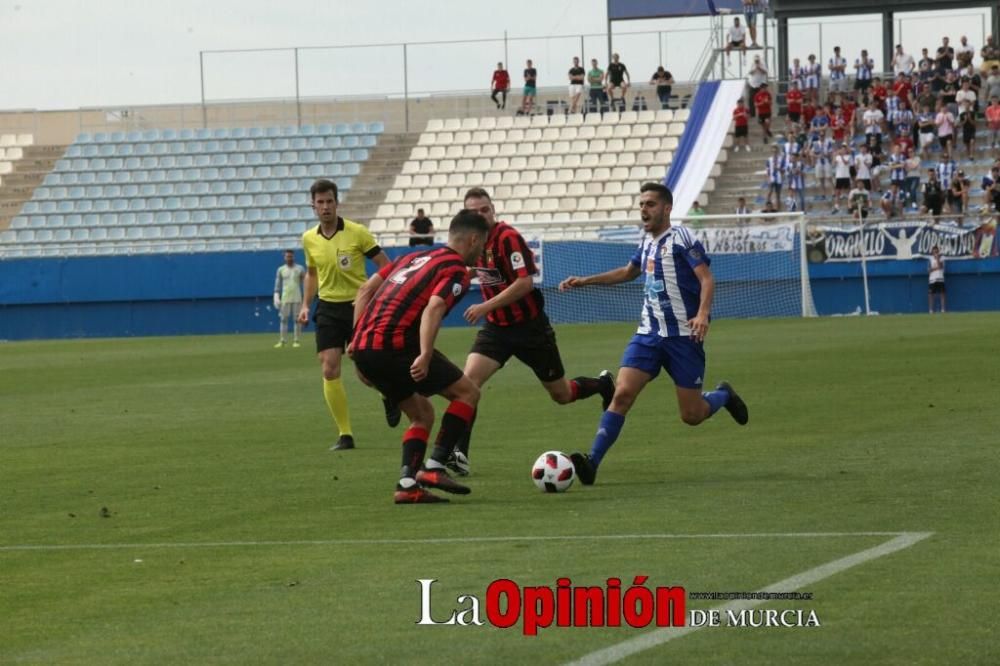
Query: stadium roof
x,y
800,8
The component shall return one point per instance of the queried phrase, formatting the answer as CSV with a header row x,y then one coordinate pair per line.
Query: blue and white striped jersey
x,y
672,290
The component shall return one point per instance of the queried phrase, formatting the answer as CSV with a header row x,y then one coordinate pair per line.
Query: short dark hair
x,y
666,196
420,210
290,251
469,221
323,185
476,192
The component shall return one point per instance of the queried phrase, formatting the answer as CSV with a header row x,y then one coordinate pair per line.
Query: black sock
x,y
586,387
454,424
465,439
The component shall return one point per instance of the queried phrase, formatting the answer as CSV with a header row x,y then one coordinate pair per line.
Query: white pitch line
x,y
485,539
658,637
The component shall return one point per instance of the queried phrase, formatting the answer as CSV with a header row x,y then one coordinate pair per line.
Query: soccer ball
x,y
553,472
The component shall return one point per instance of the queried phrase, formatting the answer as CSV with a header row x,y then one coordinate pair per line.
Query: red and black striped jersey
x,y
392,318
506,258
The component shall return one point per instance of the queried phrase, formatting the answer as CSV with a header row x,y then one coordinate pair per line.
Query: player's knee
x,y
468,393
622,401
561,393
692,417
331,372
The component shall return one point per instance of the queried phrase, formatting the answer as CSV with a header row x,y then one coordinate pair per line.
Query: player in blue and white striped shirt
x,y
675,317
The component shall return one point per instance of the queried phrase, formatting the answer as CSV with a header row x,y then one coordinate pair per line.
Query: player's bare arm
x,y
699,324
309,293
626,273
380,259
520,288
430,323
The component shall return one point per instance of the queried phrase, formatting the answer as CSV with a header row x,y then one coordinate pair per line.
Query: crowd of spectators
x,y
899,139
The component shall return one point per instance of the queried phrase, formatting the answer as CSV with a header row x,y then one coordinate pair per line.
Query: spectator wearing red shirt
x,y
501,86
741,125
847,109
793,100
762,104
903,87
878,93
838,126
808,113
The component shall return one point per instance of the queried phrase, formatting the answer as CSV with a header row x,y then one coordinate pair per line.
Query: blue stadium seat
x,y
234,215
152,232
341,128
243,229
272,214
159,148
262,200
109,219
116,233
297,143
183,217
168,135
162,217
298,171
253,215
115,164
155,203
43,235
136,204
203,133
74,150
333,142
272,186
74,220
133,233
307,129
289,130
280,227
47,207
368,141
141,149
151,135
344,184
26,235
185,134
167,161
8,236
351,141
236,159
199,216
105,177
220,133
188,231
127,219
315,143
125,150
149,162
377,127
64,207
103,205
255,159
84,137
316,171
352,169
80,234
359,155
341,156
30,206
190,202
216,215
261,229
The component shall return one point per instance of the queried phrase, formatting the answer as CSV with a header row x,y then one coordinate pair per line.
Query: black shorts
x,y
968,134
334,325
936,288
533,343
761,117
389,372
843,184
741,130
794,116
862,84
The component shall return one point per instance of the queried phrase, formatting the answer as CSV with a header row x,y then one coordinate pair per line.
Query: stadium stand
x,y
541,168
186,190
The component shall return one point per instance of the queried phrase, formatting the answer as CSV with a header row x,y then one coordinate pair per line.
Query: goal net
x,y
759,266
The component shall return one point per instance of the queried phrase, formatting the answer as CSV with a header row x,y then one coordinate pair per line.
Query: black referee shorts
x,y
533,343
389,372
334,325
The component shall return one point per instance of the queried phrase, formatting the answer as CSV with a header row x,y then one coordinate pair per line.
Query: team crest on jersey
x,y
516,260
344,261
489,255
456,290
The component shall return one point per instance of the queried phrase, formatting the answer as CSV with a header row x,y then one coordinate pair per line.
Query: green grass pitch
x,y
217,527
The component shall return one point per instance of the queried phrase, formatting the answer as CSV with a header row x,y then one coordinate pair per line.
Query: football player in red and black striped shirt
x,y
397,314
516,324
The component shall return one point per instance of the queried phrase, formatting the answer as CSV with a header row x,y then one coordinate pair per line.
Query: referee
x,y
335,252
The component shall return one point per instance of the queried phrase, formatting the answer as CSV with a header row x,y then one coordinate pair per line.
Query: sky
x,y
68,54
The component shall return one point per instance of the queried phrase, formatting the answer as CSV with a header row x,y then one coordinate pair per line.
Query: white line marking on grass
x,y
657,637
484,539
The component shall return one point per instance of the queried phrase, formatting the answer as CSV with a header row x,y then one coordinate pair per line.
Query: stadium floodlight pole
x,y
298,100
406,91
201,68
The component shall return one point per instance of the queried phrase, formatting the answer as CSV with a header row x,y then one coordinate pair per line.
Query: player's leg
x,y
284,312
296,326
333,331
534,344
944,296
686,366
420,413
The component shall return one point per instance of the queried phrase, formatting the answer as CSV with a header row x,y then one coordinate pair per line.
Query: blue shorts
x,y
681,357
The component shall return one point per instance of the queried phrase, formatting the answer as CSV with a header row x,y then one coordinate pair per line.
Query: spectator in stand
x,y
966,95
993,119
949,92
530,88
776,167
926,122
875,150
741,126
769,207
742,210
421,230
617,77
813,73
933,194
975,85
945,57
808,113
901,121
797,74
664,81
927,97
945,170
912,182
762,104
903,87
696,211
500,86
859,201
821,120
964,53
750,10
967,120
864,67
595,77
879,92
755,79
838,125
991,190
896,165
795,174
576,78
737,39
902,63
892,203
956,195
873,121
838,72
990,54
842,163
821,153
935,278
863,167
926,74
891,109
945,123
793,99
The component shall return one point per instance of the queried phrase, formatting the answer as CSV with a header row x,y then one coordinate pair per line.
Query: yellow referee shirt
x,y
340,259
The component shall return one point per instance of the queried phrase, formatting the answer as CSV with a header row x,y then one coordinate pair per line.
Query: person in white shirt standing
x,y
288,297
838,72
902,63
935,276
965,53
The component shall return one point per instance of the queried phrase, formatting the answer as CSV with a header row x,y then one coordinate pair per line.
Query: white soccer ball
x,y
553,472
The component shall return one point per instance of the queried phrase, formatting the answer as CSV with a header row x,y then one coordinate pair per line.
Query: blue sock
x,y
716,400
607,433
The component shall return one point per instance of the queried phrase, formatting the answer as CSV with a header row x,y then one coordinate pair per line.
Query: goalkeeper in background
x,y
288,298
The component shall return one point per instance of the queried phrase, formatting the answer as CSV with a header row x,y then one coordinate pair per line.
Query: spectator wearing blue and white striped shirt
x,y
795,174
813,73
863,68
776,165
838,72
945,170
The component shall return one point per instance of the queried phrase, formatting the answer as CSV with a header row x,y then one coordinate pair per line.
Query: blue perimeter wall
x,y
178,294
